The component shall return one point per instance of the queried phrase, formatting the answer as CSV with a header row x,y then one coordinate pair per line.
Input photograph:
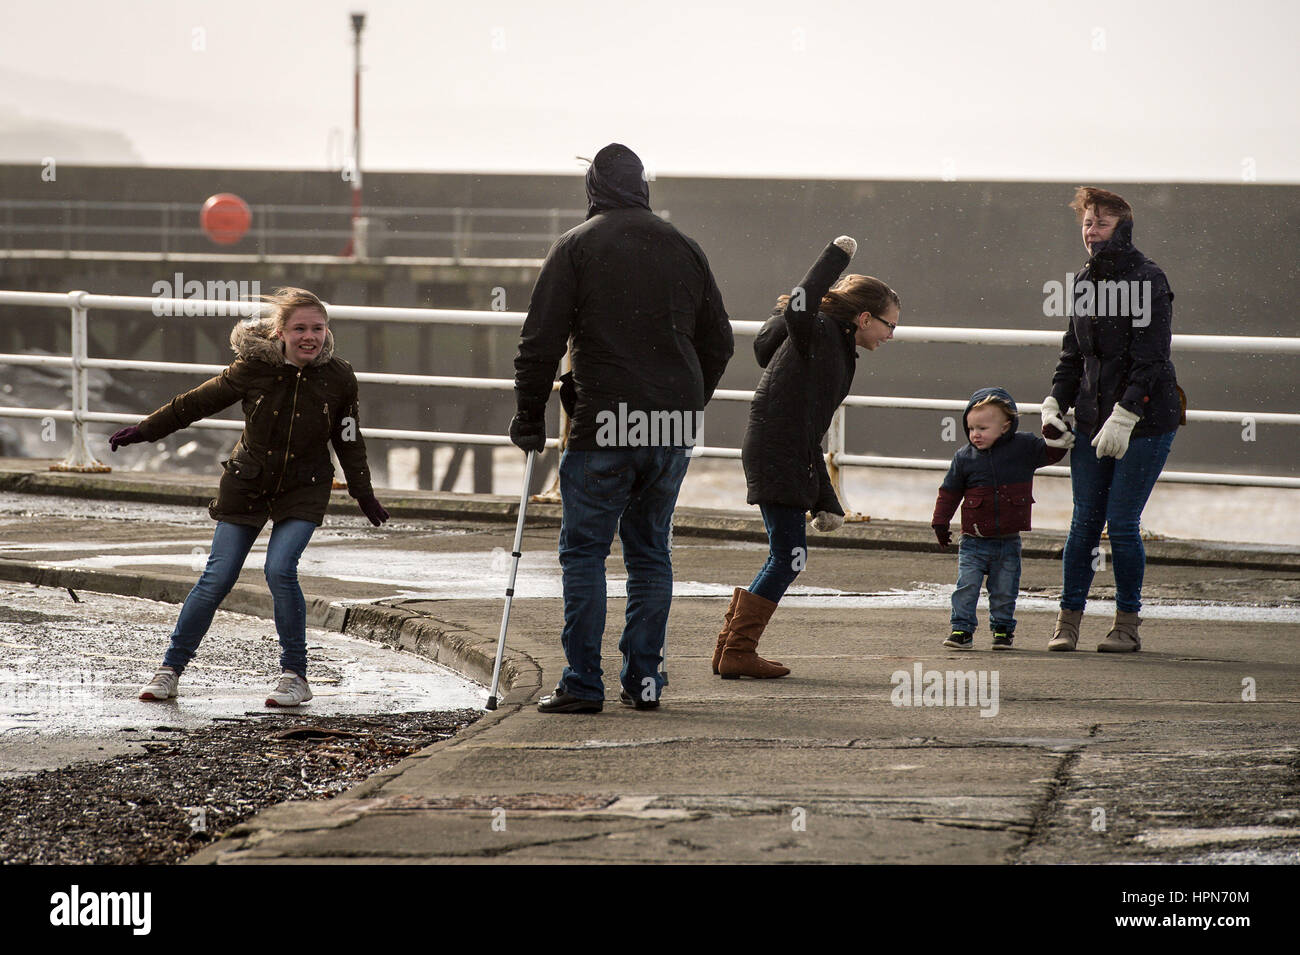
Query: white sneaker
x,y
162,686
290,691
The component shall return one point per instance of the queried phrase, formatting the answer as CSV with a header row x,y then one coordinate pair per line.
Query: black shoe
x,y
1002,639
960,640
626,699
561,702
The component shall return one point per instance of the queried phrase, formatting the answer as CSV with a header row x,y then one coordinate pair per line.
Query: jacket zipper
x,y
997,529
256,404
288,441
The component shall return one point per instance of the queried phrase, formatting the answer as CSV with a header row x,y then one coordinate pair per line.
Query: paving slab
x,y
1189,748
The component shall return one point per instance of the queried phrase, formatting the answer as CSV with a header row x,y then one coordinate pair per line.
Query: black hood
x,y
616,180
993,393
1117,254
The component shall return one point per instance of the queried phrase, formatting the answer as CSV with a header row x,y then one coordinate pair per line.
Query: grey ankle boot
x,y
1066,635
1123,636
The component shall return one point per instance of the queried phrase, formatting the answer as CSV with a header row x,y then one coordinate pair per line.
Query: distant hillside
x,y
29,139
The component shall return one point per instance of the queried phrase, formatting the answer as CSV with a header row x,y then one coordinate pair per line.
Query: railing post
x,y
80,457
456,225
835,448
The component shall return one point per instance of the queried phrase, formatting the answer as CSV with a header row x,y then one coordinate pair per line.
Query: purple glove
x,y
126,436
371,507
944,535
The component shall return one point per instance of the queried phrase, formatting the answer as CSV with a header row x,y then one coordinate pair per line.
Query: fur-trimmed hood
x,y
256,338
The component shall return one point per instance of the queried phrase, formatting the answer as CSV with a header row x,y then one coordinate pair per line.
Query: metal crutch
x,y
510,587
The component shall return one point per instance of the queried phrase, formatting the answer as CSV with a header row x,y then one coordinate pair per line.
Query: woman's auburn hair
x,y
851,296
1090,197
287,300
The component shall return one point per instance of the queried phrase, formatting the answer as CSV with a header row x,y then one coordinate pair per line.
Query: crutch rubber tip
x,y
492,703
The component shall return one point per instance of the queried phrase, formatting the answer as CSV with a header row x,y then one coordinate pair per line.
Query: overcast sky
x,y
1102,91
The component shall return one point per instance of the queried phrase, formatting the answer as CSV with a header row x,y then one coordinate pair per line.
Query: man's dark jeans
x,y
632,492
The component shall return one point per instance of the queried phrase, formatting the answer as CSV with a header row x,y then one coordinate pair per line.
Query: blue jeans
x,y
1110,492
230,546
787,539
631,491
998,559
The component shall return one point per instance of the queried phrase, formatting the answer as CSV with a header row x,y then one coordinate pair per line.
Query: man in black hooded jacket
x,y
650,340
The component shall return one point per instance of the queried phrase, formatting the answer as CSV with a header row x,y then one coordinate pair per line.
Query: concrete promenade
x,y
1186,751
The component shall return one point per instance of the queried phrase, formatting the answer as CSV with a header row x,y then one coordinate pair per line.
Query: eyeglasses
x,y
892,325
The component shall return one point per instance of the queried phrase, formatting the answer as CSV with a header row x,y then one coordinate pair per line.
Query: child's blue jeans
x,y
998,560
230,546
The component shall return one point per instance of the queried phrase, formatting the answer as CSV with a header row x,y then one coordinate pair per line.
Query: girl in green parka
x,y
298,399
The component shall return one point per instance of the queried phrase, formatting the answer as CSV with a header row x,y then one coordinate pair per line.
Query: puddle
x,y
69,681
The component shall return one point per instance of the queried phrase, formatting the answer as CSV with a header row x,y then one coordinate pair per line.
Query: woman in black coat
x,y
1116,372
808,352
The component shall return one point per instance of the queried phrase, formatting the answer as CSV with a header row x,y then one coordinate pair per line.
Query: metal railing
x,y
80,456
168,228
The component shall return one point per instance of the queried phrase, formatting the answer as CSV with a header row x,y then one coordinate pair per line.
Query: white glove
x,y
825,520
1112,439
1052,417
848,244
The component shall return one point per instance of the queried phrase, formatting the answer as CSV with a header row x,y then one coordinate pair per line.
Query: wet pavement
x,y
1184,752
71,671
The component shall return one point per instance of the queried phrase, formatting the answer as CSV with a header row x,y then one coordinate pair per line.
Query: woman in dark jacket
x,y
808,351
298,399
1115,369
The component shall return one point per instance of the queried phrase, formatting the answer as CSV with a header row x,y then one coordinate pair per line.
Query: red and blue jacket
x,y
994,487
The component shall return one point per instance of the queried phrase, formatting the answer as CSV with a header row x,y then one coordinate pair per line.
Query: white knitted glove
x,y
1112,439
1052,418
848,244
825,520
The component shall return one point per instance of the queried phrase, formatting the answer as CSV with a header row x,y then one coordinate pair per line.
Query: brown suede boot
x,y
1066,635
747,625
726,631
1123,636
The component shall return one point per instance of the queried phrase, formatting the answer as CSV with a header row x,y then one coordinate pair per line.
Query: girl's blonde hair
x,y
287,300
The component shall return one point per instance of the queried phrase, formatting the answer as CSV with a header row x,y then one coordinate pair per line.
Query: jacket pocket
x,y
977,513
1017,512
251,413
243,466
308,474
321,475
